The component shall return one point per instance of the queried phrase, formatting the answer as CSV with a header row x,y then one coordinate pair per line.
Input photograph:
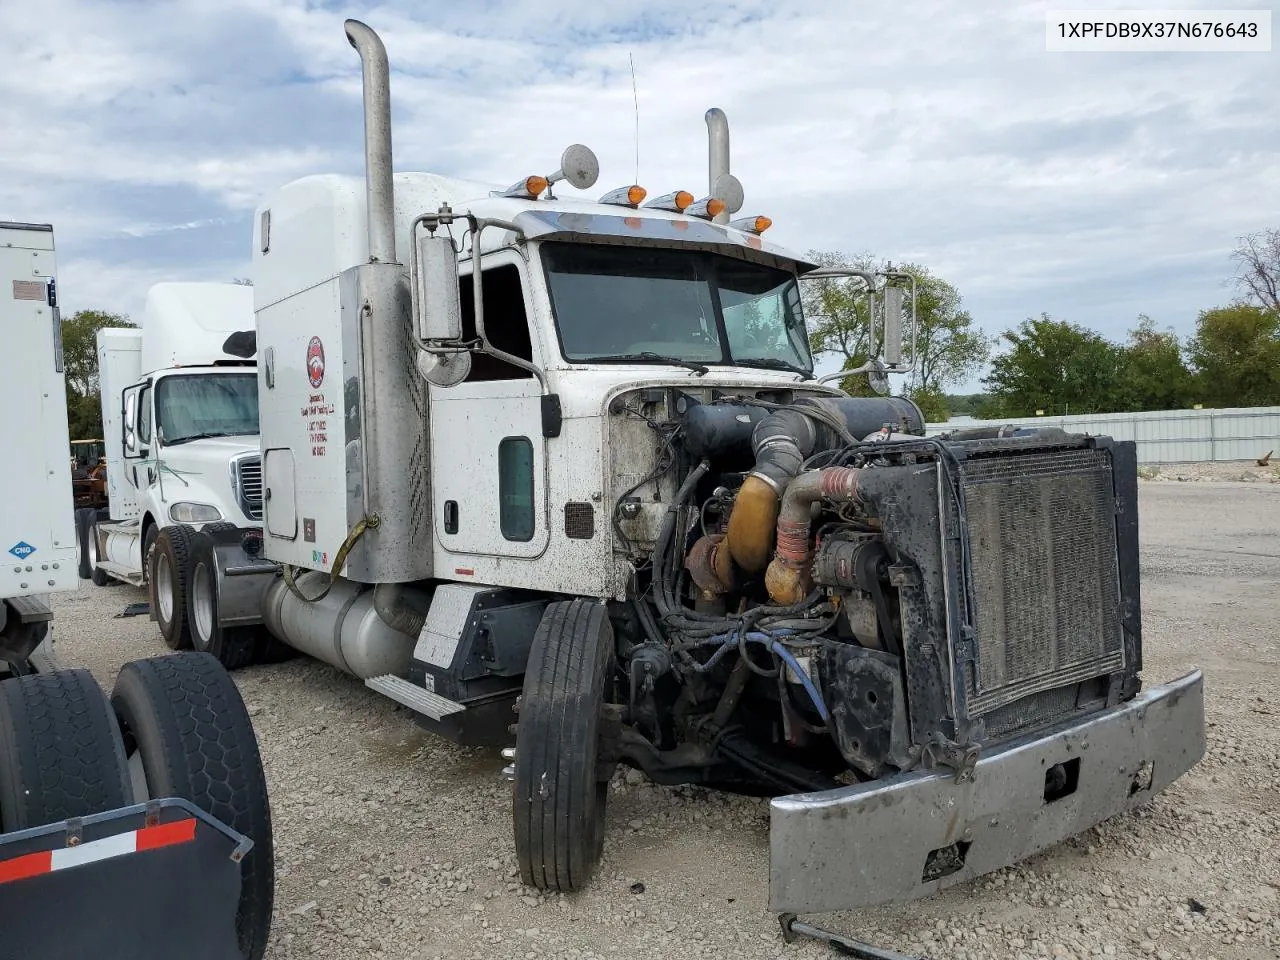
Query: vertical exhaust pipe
x,y
717,153
377,140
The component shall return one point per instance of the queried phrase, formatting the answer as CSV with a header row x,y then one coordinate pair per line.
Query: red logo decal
x,y
315,362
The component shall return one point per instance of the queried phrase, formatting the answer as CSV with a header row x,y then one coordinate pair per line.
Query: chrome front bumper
x,y
890,840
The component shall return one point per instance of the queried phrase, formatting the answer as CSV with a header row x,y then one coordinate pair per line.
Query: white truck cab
x,y
180,415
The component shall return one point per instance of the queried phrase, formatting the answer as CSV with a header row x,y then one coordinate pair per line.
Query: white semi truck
x,y
180,416
131,825
555,474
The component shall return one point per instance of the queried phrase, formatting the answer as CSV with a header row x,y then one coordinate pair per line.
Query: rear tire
x,y
61,752
184,720
168,568
234,647
559,795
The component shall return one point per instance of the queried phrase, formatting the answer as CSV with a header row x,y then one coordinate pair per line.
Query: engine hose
x,y
666,604
769,640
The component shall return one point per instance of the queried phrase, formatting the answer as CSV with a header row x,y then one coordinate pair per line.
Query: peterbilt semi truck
x,y
135,823
180,416
555,473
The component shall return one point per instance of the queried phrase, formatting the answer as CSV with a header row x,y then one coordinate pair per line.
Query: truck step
x,y
29,609
121,572
414,697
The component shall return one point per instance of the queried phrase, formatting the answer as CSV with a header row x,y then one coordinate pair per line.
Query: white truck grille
x,y
249,486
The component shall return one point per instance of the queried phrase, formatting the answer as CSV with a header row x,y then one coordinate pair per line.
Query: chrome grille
x,y
249,486
1046,591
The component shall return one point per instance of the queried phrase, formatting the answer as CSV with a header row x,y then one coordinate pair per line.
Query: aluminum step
x,y
414,697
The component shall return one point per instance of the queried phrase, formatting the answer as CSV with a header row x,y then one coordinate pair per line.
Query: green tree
x,y
949,347
1054,366
80,363
932,403
836,314
964,404
1235,355
1154,375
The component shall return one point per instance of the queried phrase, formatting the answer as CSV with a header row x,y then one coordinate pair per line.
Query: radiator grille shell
x,y
248,485
1045,583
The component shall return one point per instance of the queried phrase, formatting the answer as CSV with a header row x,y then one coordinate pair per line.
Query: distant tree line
x,y
80,363
1052,366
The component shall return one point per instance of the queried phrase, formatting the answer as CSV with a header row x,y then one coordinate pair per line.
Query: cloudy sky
x,y
1092,186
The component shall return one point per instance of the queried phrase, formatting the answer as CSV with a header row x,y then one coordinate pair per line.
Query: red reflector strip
x,y
166,834
19,868
464,571
120,844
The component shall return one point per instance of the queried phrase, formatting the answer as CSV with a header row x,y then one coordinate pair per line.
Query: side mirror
x,y
128,422
893,299
438,294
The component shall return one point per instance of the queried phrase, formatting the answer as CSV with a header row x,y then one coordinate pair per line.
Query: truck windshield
x,y
193,407
664,306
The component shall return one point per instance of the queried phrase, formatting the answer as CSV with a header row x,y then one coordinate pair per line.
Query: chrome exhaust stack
x,y
377,140
717,156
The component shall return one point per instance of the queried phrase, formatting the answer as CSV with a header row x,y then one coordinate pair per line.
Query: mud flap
x,y
151,881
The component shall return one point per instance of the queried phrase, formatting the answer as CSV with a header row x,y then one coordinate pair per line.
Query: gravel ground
x,y
394,843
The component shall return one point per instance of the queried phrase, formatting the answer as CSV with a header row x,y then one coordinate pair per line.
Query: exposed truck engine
x,y
557,475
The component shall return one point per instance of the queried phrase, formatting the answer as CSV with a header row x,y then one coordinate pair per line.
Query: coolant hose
x,y
660,560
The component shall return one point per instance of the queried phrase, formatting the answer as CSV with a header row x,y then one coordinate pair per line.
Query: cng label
x,y
315,362
22,549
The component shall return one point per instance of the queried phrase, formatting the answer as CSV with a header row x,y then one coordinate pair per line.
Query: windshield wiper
x,y
765,363
648,355
196,436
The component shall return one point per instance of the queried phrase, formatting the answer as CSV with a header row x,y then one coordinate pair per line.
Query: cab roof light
x,y
756,225
530,188
625,196
676,201
706,208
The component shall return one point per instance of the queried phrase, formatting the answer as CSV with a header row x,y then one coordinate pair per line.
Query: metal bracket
x,y
941,752
792,927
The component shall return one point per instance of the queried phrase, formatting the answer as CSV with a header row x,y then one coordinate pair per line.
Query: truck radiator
x,y
249,486
1045,587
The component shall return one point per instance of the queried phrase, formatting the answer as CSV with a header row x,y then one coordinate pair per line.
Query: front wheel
x,y
560,791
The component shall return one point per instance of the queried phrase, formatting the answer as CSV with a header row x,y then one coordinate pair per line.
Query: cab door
x,y
488,453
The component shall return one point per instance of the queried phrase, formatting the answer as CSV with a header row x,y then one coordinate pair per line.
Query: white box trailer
x,y
106,803
37,532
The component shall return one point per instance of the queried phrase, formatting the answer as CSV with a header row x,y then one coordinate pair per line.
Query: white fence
x,y
1167,436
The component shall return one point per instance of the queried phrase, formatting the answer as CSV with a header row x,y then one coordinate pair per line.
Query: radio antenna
x,y
636,98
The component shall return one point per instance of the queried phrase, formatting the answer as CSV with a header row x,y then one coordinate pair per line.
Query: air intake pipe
x,y
782,442
789,578
376,77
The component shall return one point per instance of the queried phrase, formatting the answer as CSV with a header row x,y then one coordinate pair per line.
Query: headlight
x,y
194,513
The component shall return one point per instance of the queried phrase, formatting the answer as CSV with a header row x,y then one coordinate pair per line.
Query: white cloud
x,y
1091,186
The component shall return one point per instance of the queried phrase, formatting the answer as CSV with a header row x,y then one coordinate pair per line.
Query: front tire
x,y
167,573
559,793
186,726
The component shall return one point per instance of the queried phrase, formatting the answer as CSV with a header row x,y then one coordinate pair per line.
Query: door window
x,y
515,488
